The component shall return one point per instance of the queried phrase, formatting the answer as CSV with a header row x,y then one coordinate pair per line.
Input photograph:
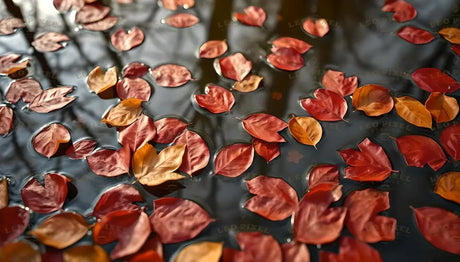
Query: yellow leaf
x,y
19,252
152,169
98,81
248,84
443,108
305,130
123,114
86,254
448,186
414,112
374,100
200,252
451,34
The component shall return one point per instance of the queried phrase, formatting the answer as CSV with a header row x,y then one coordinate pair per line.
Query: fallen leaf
x,y
48,139
66,5
4,198
13,221
316,27
403,11
421,150
110,163
252,16
434,80
250,243
123,114
123,41
305,130
351,250
196,155
439,227
176,220
182,20
98,81
374,100
412,111
19,252
200,252
233,160
264,127
285,58
289,42
415,35
91,13
216,100
174,4
456,49
450,140
274,199
295,252
235,66
10,24
168,129
81,149
102,25
213,48
451,34
6,119
52,99
26,88
267,150
135,70
134,88
120,197
151,251
138,133
328,106
87,253
49,42
448,186
171,75
11,63
323,174
335,81
248,84
443,108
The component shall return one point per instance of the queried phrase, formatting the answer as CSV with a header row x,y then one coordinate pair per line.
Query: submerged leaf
x,y
421,150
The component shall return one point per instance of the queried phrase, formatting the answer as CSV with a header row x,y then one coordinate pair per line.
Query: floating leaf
x,y
323,174
264,127
213,48
200,252
421,150
328,106
135,70
134,88
233,160
65,5
102,25
120,197
81,149
456,49
451,34
289,42
138,133
415,35
306,130
196,155
123,41
285,58
250,243
450,140
49,138
182,20
168,129
443,108
217,99
4,198
91,13
317,27
6,119
123,114
414,112
295,252
10,24
374,100
248,84
98,81
19,252
87,253
252,15
151,251
434,80
351,250
448,186
110,163
11,63
335,81
267,150
26,88
174,4
52,99
49,42
176,220
403,11
171,75
235,66
13,221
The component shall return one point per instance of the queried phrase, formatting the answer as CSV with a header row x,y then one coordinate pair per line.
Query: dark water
x,y
362,42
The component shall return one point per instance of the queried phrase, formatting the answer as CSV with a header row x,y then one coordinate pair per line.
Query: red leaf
x,y
13,221
102,25
52,99
81,149
285,58
217,99
171,75
49,138
439,227
434,80
295,252
275,199
196,155
138,133
48,198
135,70
174,4
314,221
11,63
415,35
123,41
250,243
130,227
134,88
421,150
293,43
9,25
351,250
253,16
182,20
65,5
233,160
264,127
318,27
403,11
6,119
328,106
110,163
369,164
268,151
91,13
176,220
168,129
450,140
151,251
456,49
323,174
335,81
362,219
235,66
120,197
49,42
213,49
26,88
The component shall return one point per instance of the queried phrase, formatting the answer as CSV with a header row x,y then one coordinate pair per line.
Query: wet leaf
x,y
19,252
26,88
13,221
110,163
415,35
153,169
264,127
130,227
448,186
450,140
250,243
233,160
123,114
217,99
138,133
274,199
252,16
81,149
295,252
369,164
151,251
48,197
91,13
213,48
403,11
248,84
314,221
171,75
305,130
200,252
335,81
10,24
49,42
351,250
102,25
174,4
196,155
328,106
87,253
168,129
12,63
49,138
61,230
285,58
98,81
316,27
267,150
135,70
439,227
289,42
421,150
235,66
182,20
414,112
434,80
451,34
120,197
456,49
6,119
443,108
323,174
4,198
52,99
374,100
125,41
176,220
134,88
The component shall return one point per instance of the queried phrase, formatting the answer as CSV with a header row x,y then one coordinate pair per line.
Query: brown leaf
x,y
374,100
52,99
49,138
135,70
171,75
11,63
318,27
213,48
98,81
13,222
451,34
91,13
102,25
414,112
49,42
93,253
123,41
19,252
182,20
4,193
123,114
306,130
248,84
200,252
6,119
9,25
448,186
443,108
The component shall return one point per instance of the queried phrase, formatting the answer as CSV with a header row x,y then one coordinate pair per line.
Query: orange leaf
x,y
374,100
213,49
448,186
451,34
98,81
248,84
414,112
200,252
443,108
123,114
19,252
305,130
4,193
86,254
